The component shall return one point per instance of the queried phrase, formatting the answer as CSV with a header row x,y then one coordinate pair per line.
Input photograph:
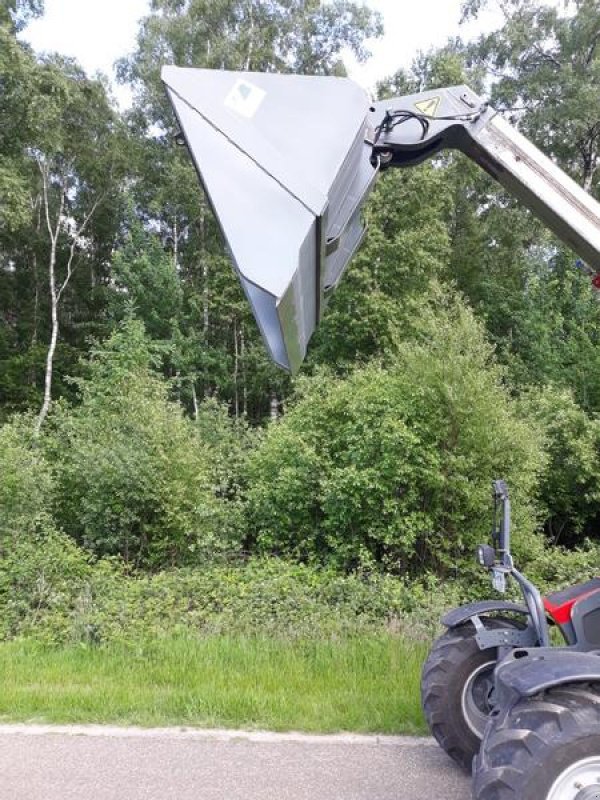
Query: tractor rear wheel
x,y
547,747
457,686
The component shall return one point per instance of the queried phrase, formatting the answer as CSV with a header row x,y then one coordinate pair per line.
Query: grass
x,y
362,684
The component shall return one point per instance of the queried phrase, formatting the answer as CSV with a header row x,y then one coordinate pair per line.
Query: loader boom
x,y
464,122
288,161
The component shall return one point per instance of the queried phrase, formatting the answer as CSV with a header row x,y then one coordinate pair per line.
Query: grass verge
x,y
361,684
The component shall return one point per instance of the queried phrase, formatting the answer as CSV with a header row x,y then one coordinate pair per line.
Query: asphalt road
x,y
88,763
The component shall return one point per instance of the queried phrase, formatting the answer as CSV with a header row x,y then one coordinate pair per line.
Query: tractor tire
x,y
546,748
456,687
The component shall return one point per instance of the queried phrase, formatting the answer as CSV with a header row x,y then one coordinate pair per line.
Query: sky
x,y
98,32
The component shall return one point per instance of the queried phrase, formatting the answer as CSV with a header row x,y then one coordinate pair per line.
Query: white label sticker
x,y
245,98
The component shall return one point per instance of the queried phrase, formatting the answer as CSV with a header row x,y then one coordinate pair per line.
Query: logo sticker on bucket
x,y
245,98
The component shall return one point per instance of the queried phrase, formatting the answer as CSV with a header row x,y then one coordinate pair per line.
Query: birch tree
x,y
78,162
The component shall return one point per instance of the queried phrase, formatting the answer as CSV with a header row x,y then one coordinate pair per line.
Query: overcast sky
x,y
97,32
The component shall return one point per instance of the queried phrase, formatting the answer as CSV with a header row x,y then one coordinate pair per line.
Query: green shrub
x,y
42,576
134,477
26,485
51,591
261,597
393,465
569,486
557,567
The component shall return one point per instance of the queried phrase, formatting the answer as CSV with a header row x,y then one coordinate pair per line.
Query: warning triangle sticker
x,y
429,106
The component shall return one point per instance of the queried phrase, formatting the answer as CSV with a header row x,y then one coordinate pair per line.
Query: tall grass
x,y
364,683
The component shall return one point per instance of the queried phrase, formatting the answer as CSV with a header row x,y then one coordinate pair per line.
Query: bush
x,y
26,485
134,477
569,487
42,576
262,597
393,465
557,567
51,591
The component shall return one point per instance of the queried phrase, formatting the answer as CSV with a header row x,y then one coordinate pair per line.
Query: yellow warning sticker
x,y
429,106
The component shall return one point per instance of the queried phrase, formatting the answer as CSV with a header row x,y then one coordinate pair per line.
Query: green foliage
x,y
570,484
17,75
394,465
146,281
446,66
278,35
388,469
407,247
51,591
26,485
17,13
41,577
546,61
264,596
134,477
62,155
554,329
557,567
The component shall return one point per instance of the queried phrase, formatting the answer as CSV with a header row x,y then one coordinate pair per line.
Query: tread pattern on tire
x,y
446,656
520,747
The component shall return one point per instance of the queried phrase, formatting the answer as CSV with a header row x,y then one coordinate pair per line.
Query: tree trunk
x,y
248,62
194,400
54,227
205,297
175,247
590,165
244,381
54,298
236,367
588,179
274,407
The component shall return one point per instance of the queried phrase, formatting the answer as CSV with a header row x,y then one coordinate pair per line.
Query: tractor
x,y
286,162
493,676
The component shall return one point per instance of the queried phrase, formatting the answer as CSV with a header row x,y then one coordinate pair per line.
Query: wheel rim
x,y
580,781
477,697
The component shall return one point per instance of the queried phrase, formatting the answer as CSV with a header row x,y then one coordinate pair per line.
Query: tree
x,y
569,486
546,73
145,281
543,69
303,36
17,71
78,159
27,486
407,246
16,13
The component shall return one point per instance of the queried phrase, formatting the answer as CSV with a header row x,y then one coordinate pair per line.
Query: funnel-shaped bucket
x,y
284,163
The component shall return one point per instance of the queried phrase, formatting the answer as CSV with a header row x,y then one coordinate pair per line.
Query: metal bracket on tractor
x,y
503,637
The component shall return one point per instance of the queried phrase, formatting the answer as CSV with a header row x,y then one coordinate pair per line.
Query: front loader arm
x,y
407,132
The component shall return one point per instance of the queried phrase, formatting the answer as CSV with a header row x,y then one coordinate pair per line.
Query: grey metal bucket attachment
x,y
288,160
286,167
